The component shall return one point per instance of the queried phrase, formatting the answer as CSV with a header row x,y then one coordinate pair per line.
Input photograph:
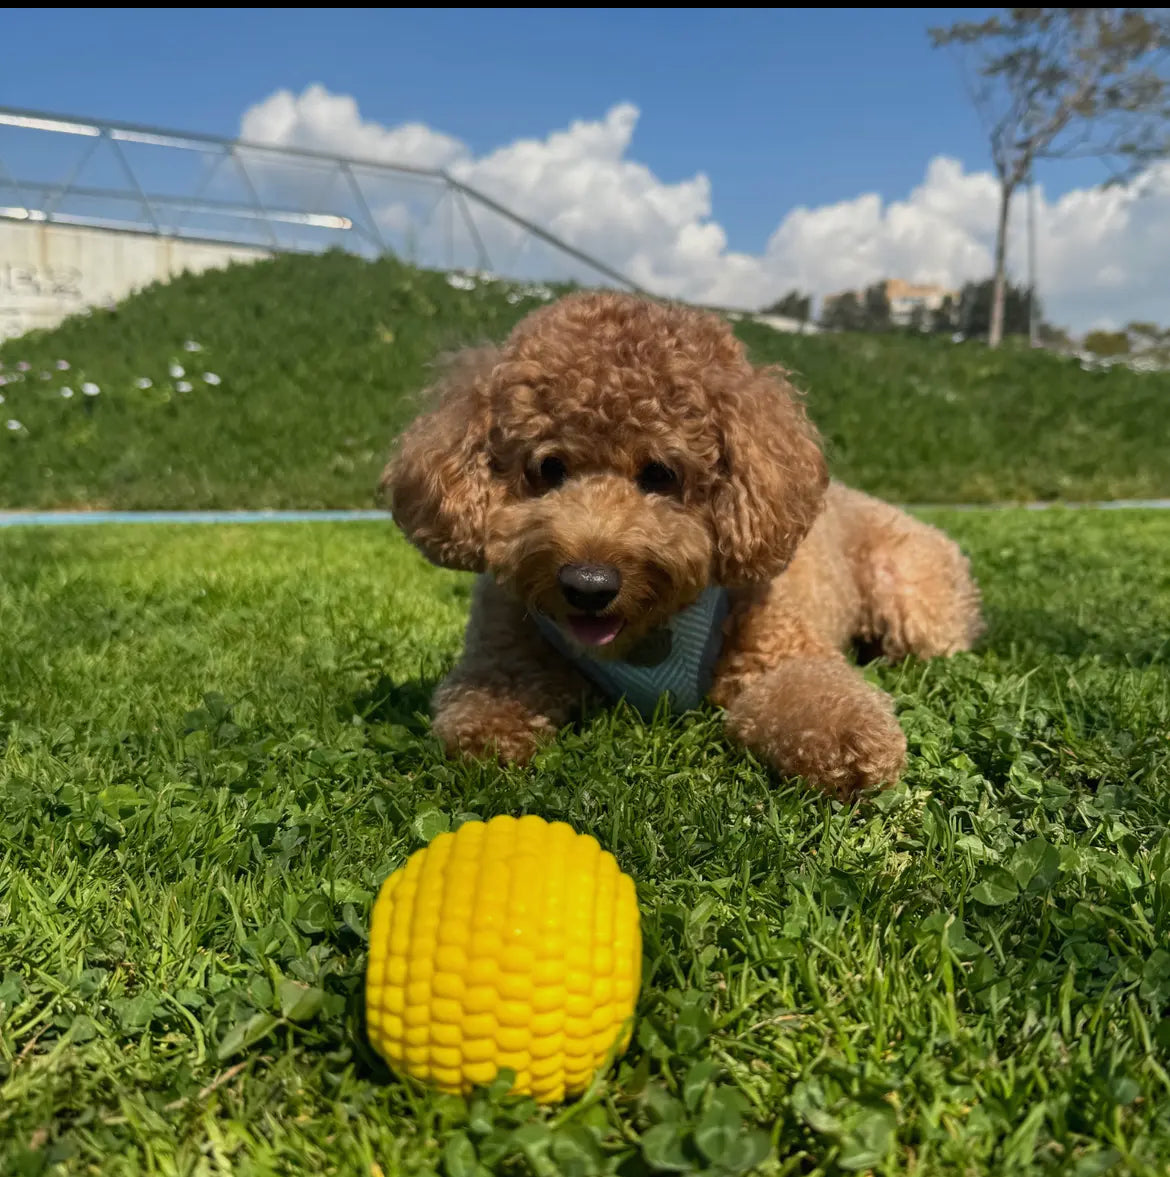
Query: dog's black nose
x,y
589,587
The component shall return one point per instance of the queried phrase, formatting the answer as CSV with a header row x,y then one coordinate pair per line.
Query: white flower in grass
x,y
177,370
62,365
1,398
46,376
460,282
191,345
23,366
3,381
14,425
183,386
210,378
144,382
90,389
67,392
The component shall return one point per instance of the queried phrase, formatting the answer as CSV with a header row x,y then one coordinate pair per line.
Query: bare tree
x,y
1062,83
843,312
875,307
793,305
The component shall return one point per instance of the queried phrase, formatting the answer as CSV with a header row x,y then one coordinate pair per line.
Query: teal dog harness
x,y
677,660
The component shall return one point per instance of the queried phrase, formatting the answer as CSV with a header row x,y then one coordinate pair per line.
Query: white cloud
x,y
940,233
320,121
1102,253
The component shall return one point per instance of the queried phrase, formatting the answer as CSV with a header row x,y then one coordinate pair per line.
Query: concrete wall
x,y
784,323
48,272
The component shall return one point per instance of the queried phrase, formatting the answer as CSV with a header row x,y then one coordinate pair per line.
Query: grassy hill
x,y
317,360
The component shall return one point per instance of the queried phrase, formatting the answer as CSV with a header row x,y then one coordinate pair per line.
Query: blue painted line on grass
x,y
89,518
1048,505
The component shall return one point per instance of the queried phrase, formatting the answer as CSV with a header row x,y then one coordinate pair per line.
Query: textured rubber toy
x,y
511,943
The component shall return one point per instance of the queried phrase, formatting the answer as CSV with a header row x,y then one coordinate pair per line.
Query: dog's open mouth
x,y
593,631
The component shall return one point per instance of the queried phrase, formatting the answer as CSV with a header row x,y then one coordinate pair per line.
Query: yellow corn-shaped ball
x,y
510,943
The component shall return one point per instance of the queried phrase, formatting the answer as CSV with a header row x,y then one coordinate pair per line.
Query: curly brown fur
x,y
550,451
505,696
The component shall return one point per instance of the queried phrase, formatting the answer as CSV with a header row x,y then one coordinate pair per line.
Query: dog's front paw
x,y
818,719
485,728
860,750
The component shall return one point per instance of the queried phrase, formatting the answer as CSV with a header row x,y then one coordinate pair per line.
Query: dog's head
x,y
614,458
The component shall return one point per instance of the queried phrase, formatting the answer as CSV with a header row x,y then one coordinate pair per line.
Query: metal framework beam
x,y
43,201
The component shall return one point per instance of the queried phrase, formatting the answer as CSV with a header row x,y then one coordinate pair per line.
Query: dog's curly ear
x,y
773,481
437,482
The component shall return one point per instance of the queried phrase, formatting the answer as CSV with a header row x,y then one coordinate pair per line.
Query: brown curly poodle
x,y
614,467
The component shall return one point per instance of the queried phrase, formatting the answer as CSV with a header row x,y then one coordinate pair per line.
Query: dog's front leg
x,y
819,719
510,691
791,696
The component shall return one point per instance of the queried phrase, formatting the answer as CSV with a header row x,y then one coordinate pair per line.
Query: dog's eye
x,y
657,479
548,475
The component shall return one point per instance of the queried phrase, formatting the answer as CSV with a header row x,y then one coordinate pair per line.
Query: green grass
x,y
211,754
320,359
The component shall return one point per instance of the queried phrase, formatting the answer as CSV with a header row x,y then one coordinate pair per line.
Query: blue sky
x,y
719,155
778,108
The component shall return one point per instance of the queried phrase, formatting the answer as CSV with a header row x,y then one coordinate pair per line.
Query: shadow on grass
x,y
1036,633
406,704
1045,632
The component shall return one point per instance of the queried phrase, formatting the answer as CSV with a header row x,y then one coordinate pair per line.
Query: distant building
x,y
904,299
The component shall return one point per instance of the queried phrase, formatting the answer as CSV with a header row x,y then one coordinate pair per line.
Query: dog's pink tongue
x,y
594,631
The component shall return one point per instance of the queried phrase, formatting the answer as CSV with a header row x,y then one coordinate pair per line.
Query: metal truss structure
x,y
58,169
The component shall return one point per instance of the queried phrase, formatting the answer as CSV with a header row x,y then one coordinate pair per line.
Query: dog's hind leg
x,y
917,592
